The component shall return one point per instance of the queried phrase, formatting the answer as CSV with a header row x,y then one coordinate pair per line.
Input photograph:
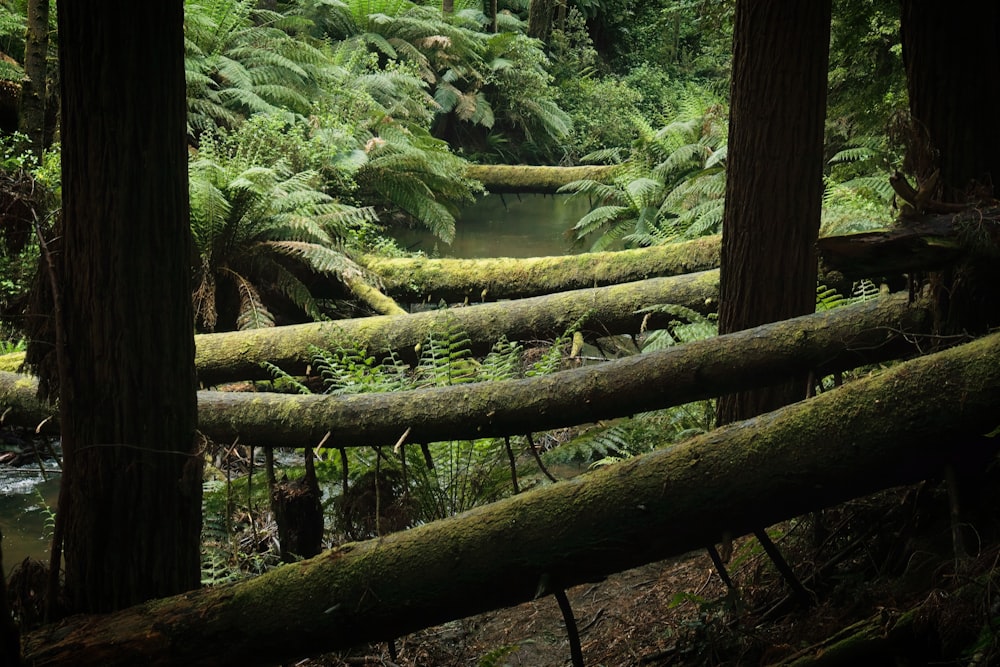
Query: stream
x,y
495,226
528,225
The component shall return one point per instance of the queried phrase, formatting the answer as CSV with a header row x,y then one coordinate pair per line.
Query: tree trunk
x,y
31,115
540,19
954,147
603,311
832,340
904,425
417,280
519,178
130,501
774,185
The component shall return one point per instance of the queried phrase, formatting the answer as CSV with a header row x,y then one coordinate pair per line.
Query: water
x,y
529,225
25,501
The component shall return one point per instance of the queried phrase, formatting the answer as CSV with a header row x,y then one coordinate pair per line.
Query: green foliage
x,y
251,224
670,188
610,442
462,474
857,194
238,61
414,172
480,81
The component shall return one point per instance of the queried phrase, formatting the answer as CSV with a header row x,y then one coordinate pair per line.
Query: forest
x,y
747,417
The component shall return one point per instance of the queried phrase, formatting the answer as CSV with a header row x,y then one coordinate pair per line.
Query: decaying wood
x,y
476,280
238,355
501,178
836,339
894,428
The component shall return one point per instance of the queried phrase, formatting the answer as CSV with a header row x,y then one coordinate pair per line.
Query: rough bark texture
x,y
956,136
503,178
841,338
774,180
238,355
889,429
838,339
31,116
130,501
477,280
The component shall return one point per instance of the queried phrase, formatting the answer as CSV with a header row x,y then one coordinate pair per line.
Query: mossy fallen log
x,y
238,355
894,428
836,339
416,280
514,178
922,245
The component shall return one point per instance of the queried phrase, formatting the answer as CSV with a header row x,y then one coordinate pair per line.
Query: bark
x,y
130,501
417,280
237,355
954,147
837,339
31,115
922,243
833,340
904,425
540,19
774,180
372,297
504,178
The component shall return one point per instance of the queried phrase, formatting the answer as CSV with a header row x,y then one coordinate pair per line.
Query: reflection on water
x,y
530,225
25,498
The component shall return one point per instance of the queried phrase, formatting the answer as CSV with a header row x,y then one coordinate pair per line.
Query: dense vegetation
x,y
368,112
317,126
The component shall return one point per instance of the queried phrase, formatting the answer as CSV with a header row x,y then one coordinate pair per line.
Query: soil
x,y
872,560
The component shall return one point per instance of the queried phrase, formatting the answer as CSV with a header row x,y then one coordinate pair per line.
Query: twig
x,y
513,465
576,653
538,459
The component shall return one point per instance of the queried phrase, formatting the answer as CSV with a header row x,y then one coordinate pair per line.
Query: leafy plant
x,y
238,61
252,225
671,187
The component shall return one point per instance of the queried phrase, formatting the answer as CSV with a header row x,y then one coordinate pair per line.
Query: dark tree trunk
x,y
774,185
947,54
31,117
540,19
130,504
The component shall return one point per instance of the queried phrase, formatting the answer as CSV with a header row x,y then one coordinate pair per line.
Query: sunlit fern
x,y
251,225
671,187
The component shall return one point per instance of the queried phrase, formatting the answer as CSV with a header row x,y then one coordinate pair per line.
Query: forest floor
x,y
883,568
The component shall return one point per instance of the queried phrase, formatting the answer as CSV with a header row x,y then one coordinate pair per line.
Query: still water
x,y
528,225
25,500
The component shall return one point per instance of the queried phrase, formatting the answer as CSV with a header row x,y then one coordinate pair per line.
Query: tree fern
x,y
250,224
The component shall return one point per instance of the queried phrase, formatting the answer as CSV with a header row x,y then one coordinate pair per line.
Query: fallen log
x,y
923,244
421,279
238,355
894,428
502,178
831,340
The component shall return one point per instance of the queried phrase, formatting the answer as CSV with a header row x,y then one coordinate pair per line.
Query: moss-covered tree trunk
x,y
477,280
881,431
31,114
837,339
603,311
502,178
